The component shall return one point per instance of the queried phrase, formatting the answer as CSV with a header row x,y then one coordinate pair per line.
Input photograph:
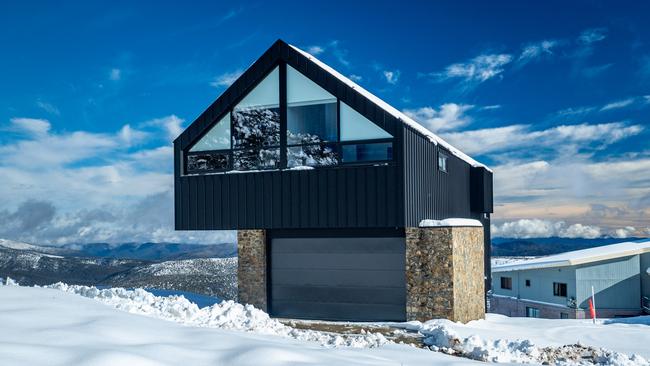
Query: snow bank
x,y
441,336
450,222
46,327
227,315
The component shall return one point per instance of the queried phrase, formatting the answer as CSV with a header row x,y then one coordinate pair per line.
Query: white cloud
x,y
447,117
592,35
391,76
561,137
491,107
355,78
89,186
315,50
533,51
477,70
647,98
172,124
131,136
624,232
226,79
32,126
618,104
48,107
536,228
115,74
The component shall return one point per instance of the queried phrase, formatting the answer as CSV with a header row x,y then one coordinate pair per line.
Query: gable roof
x,y
293,56
579,256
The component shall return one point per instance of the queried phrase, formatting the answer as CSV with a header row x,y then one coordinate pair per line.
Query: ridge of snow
x,y
454,222
227,315
476,340
579,256
394,111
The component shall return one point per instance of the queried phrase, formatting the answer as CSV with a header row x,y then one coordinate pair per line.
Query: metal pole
x,y
593,302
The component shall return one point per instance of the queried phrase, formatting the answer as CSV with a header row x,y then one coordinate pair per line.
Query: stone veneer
x,y
251,267
444,273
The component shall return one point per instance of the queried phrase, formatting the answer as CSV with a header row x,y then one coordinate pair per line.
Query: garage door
x,y
360,279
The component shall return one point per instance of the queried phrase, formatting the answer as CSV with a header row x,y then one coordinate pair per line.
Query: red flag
x,y
592,310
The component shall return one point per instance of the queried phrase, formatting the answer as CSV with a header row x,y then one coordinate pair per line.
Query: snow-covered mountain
x,y
206,276
36,265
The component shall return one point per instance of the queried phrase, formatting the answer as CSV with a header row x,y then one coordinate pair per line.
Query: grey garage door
x,y
361,279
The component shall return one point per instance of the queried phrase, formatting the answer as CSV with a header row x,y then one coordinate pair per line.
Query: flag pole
x,y
593,304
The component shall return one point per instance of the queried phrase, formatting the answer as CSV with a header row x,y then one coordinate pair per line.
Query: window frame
x,y
558,287
532,312
527,283
284,145
506,283
445,156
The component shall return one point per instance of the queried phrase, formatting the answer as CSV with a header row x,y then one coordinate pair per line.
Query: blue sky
x,y
555,97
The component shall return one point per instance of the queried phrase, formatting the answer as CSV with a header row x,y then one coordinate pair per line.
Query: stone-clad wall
x,y
444,273
251,268
469,274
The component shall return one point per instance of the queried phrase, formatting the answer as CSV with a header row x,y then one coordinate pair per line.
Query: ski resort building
x,y
559,286
345,208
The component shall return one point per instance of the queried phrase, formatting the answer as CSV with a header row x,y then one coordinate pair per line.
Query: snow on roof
x,y
579,256
393,111
450,222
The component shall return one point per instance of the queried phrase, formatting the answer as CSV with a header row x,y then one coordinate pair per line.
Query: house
x,y
559,286
326,185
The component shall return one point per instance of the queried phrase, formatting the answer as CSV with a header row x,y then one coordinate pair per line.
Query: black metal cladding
x,y
481,193
431,193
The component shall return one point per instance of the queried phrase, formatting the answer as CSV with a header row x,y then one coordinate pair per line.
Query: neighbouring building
x,y
559,286
327,185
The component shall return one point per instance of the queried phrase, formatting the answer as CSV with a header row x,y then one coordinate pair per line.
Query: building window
x,y
564,316
527,283
367,152
532,312
256,126
506,283
559,289
320,131
442,162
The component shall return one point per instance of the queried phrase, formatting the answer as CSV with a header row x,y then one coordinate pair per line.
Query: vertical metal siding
x,y
430,193
616,283
341,197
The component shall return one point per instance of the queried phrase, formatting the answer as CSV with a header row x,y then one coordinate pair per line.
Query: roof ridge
x,y
393,111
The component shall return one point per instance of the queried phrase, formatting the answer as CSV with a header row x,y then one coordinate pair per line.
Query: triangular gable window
x,y
354,126
218,138
320,131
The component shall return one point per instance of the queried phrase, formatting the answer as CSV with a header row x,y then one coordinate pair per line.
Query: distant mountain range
x,y
203,269
547,246
141,251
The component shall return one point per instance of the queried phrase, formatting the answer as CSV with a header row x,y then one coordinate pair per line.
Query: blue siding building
x,y
559,286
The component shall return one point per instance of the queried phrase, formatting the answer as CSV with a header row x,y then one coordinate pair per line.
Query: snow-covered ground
x,y
41,326
72,325
500,338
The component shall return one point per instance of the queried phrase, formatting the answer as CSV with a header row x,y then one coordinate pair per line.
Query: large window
x,y
559,289
506,283
320,131
311,123
256,127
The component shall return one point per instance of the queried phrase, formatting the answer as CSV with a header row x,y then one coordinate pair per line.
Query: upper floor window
x,y
320,131
442,162
559,289
506,283
527,283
